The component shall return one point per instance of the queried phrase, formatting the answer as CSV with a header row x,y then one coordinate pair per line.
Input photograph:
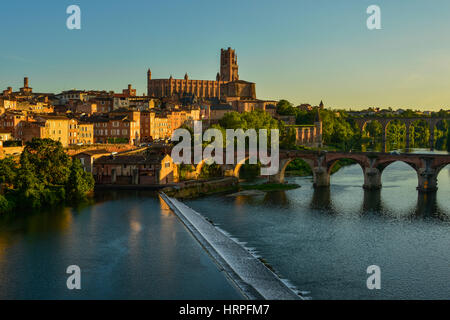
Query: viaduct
x,y
432,122
427,166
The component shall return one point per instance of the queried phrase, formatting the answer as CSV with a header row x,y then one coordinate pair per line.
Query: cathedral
x,y
226,85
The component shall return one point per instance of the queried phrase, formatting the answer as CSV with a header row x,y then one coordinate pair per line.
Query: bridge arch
x,y
411,164
238,166
409,122
441,167
364,123
284,164
355,159
201,165
383,165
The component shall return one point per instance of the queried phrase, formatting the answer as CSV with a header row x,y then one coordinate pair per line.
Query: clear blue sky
x,y
301,50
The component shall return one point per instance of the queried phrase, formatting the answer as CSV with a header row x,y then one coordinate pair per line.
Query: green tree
x,y
80,182
29,188
8,170
285,108
49,160
45,176
232,120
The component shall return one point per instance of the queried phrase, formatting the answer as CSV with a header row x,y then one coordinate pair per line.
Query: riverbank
x,y
193,189
248,273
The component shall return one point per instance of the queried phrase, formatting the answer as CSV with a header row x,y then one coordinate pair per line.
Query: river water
x,y
128,245
322,241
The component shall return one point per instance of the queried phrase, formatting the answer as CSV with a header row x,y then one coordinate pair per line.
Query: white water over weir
x,y
246,271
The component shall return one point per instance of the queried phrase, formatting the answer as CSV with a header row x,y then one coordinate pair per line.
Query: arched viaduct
x,y
427,166
408,122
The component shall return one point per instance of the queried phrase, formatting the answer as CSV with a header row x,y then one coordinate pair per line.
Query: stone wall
x,y
193,189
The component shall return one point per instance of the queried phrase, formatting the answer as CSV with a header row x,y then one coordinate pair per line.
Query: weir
x,y
248,273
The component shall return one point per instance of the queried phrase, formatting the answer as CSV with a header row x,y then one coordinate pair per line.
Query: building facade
x,y
229,72
147,167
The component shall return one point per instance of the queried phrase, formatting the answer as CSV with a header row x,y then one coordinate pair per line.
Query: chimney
x,y
25,82
129,87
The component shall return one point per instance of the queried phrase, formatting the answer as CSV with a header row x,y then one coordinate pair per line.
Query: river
x,y
322,241
129,245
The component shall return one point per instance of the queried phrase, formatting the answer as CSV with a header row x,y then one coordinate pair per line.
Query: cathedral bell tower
x,y
228,65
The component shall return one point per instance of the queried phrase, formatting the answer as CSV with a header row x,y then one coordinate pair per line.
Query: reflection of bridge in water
x,y
372,203
426,205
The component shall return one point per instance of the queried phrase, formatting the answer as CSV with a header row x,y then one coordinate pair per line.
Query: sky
x,y
300,50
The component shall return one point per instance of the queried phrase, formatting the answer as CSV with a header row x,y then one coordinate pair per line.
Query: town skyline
x,y
119,89
337,60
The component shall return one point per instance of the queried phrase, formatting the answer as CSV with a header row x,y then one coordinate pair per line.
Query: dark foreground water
x,y
324,240
128,247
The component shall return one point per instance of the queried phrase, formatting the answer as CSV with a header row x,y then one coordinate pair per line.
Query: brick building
x,y
51,127
200,88
142,167
9,121
117,127
81,132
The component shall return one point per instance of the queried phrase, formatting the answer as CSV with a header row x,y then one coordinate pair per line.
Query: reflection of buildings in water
x,y
241,200
165,209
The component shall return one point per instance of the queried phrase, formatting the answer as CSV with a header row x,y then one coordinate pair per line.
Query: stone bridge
x,y
408,122
427,166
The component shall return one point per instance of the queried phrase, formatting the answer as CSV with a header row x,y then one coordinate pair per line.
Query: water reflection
x,y
426,205
372,201
321,199
322,240
276,198
127,245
